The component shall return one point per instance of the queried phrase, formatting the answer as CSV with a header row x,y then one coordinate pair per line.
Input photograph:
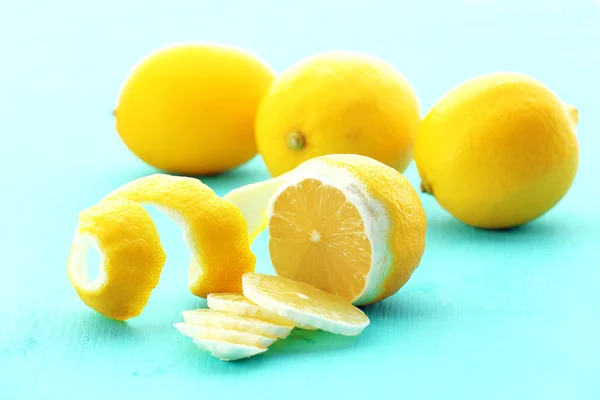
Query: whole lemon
x,y
337,102
190,108
498,151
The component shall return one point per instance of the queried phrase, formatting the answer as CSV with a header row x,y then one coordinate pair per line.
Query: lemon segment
x,y
304,304
223,320
131,258
213,229
226,335
227,351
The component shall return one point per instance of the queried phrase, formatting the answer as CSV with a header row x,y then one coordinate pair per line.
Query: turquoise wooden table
x,y
487,315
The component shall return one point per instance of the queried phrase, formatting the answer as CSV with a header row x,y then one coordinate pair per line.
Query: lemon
x,y
225,320
304,304
346,224
498,151
213,229
227,335
191,108
337,102
131,258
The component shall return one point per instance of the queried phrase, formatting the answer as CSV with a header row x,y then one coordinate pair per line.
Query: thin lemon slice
x,y
223,320
228,351
227,335
304,304
239,304
253,200
131,258
213,229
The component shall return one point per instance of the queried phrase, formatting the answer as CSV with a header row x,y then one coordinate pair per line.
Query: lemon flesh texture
x,y
225,335
346,224
305,304
227,351
131,258
224,320
498,151
214,229
337,102
191,108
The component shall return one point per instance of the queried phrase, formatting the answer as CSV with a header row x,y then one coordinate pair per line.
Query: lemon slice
x,y
346,224
226,335
228,351
223,320
304,304
213,229
131,258
252,200
239,304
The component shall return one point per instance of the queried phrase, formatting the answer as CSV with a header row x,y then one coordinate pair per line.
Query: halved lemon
x,y
304,304
227,335
346,224
223,320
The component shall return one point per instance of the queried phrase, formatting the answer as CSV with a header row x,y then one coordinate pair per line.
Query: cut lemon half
x,y
226,335
213,229
227,351
346,224
223,320
131,258
304,304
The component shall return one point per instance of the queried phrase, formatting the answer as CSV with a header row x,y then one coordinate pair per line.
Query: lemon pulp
x,y
317,236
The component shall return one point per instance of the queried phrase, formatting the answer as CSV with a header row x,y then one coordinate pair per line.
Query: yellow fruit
x,y
337,102
224,320
227,351
239,304
304,304
346,224
498,151
131,258
213,229
191,108
227,335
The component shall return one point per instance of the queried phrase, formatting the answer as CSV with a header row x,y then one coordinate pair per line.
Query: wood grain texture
x,y
487,315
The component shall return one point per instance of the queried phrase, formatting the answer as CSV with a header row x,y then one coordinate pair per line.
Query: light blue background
x,y
487,315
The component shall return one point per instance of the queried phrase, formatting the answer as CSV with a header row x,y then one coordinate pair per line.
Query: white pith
x,y
78,266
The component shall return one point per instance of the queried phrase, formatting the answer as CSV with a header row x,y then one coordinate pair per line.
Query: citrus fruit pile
x,y
345,227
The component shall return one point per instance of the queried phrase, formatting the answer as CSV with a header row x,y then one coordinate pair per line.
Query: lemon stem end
x,y
426,188
296,140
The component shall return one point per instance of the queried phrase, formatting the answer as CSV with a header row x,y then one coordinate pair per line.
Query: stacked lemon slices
x,y
237,326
